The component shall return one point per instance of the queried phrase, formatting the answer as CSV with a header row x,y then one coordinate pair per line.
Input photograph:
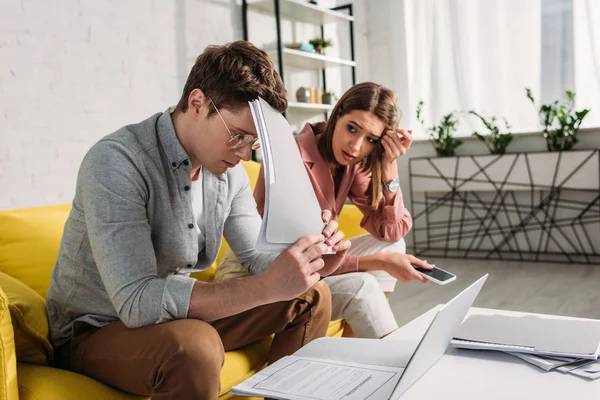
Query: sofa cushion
x,y
29,242
8,359
349,221
30,322
38,382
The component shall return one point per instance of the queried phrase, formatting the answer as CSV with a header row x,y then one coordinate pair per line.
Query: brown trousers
x,y
183,359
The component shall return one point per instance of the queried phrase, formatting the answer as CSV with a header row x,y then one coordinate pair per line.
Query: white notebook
x,y
567,337
292,210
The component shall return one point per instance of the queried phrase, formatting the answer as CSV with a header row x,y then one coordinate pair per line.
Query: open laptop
x,y
408,360
434,343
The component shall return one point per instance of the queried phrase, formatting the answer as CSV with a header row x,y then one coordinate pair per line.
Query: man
x,y
152,202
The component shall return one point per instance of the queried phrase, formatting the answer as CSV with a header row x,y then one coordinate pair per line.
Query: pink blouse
x,y
388,222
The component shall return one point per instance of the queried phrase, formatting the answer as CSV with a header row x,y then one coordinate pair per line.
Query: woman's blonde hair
x,y
379,100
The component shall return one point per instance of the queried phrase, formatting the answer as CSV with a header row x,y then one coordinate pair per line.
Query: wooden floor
x,y
572,290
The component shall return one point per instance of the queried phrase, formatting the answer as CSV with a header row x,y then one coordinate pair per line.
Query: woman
x,y
353,155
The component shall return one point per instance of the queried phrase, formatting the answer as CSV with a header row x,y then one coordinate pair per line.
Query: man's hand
x,y
296,270
336,242
396,264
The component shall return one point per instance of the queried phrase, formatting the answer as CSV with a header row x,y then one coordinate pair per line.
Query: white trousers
x,y
357,297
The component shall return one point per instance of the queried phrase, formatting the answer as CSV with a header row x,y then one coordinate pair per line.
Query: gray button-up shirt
x,y
129,243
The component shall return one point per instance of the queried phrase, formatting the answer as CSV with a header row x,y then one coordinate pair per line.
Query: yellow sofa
x,y
29,242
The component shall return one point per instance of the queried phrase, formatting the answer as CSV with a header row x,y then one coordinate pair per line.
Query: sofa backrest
x,y
29,242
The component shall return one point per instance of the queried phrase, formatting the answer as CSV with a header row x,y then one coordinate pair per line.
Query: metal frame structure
x,y
555,222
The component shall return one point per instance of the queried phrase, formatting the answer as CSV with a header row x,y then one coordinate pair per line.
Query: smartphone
x,y
436,275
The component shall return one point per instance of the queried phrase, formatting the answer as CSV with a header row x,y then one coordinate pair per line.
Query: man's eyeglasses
x,y
240,140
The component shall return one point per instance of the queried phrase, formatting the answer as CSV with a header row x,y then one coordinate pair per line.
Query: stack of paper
x,y
561,344
588,369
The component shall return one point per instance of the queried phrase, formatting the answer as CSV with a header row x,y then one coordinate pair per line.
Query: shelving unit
x,y
304,59
302,11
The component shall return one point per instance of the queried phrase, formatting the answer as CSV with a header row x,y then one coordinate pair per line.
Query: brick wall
x,y
74,71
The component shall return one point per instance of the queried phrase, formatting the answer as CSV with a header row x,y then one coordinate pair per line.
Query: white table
x,y
489,375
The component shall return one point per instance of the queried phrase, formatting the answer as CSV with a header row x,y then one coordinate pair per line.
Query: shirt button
x,y
186,188
186,162
174,164
190,226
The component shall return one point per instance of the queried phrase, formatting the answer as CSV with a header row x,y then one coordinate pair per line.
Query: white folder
x,y
292,210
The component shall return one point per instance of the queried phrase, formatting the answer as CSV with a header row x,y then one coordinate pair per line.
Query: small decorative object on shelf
x,y
328,97
561,122
320,44
303,95
495,141
442,135
301,46
315,95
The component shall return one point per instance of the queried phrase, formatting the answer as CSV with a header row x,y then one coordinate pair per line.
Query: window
x,y
481,55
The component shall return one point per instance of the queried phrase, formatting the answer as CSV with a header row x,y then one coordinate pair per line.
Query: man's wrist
x,y
266,292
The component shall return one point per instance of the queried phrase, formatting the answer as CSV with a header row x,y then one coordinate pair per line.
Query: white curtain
x,y
473,55
558,60
587,58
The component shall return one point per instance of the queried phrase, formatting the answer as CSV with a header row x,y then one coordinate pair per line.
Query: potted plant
x,y
442,135
561,121
320,44
328,97
495,141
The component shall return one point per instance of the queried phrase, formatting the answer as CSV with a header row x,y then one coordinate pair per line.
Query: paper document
x,y
587,369
291,210
545,363
301,378
575,365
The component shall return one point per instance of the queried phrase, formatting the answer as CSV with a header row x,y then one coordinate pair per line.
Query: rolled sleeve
x,y
242,228
176,297
389,222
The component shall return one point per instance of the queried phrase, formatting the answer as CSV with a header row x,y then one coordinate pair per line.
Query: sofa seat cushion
x,y
30,322
8,358
29,242
38,382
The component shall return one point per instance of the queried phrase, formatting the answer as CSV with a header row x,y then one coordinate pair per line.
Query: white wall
x,y
73,71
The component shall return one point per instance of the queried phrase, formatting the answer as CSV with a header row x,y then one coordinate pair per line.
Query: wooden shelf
x,y
300,10
304,59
